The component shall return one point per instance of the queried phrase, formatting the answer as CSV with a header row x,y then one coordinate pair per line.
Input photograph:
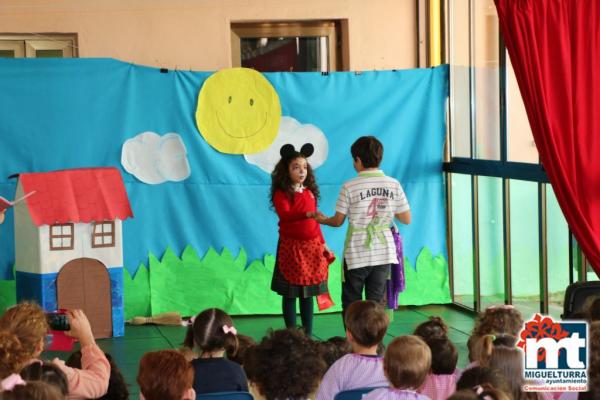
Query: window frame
x,y
102,234
61,236
503,168
26,45
334,30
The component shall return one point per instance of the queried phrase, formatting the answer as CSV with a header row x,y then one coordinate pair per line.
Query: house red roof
x,y
76,195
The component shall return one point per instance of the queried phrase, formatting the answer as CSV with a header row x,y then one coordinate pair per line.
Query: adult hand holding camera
x,y
80,327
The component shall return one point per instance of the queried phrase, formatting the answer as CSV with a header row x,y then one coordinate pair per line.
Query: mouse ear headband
x,y
288,150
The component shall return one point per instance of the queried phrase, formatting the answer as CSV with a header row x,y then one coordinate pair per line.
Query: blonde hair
x,y
24,327
407,362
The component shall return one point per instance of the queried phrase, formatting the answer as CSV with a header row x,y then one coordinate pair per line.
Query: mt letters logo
x,y
555,355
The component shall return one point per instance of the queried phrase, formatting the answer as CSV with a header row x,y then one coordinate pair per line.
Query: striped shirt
x,y
394,394
352,371
371,199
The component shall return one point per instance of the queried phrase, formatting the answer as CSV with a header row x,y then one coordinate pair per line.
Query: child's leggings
x,y
288,305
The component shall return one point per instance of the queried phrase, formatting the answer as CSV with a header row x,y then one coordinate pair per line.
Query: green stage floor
x,y
138,340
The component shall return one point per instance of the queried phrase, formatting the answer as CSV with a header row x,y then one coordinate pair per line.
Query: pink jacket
x,y
91,381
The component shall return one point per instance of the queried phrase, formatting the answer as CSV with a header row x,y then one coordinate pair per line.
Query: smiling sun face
x,y
238,111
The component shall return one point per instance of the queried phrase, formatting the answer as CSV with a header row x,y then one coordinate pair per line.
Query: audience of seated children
x,y
46,372
333,349
26,325
366,325
406,365
117,387
165,375
211,333
285,365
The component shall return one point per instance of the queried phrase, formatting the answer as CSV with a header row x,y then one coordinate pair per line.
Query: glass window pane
x,y
491,241
56,243
521,147
49,53
460,103
558,253
66,242
284,53
7,54
524,242
107,227
486,69
462,240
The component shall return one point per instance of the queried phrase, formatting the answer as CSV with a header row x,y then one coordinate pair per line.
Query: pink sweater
x,y
439,387
91,381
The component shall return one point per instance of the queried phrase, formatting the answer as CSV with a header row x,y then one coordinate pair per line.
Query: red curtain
x,y
554,46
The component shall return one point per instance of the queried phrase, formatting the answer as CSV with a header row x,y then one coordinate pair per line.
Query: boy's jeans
x,y
372,279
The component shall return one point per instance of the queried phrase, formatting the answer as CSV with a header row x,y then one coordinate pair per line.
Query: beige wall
x,y
195,34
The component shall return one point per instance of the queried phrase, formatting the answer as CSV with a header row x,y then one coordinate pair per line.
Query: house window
x,y
61,237
289,46
104,234
38,46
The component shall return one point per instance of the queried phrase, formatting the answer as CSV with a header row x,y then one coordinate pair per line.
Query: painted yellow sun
x,y
238,111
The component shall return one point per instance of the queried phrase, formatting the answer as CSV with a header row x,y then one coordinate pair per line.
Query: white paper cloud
x,y
156,159
296,134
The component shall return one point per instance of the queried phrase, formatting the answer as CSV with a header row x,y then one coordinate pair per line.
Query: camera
x,y
58,321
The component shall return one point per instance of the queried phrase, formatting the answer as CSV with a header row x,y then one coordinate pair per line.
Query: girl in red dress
x,y
302,257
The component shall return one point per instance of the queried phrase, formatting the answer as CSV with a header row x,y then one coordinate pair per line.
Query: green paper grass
x,y
428,283
188,284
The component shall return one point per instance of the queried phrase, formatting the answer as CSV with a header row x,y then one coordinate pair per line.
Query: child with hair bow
x,y
211,333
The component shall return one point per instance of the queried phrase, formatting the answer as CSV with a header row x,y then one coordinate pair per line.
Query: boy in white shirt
x,y
370,201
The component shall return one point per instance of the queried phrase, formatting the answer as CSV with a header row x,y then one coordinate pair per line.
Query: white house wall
x,y
53,261
27,240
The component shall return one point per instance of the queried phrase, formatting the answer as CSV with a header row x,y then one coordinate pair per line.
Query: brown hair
x,y
435,327
46,372
594,361
369,150
164,375
207,333
443,356
244,343
509,360
333,349
486,392
367,321
27,322
117,387
280,177
286,365
594,309
480,348
479,376
499,319
407,362
34,390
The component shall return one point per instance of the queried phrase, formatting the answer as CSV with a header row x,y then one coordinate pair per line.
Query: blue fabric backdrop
x,y
69,113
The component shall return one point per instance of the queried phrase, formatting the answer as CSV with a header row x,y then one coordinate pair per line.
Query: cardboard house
x,y
69,243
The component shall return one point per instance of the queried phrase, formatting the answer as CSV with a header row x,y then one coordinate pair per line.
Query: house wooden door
x,y
84,283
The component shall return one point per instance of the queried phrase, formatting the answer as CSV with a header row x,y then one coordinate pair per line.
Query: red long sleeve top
x,y
293,222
